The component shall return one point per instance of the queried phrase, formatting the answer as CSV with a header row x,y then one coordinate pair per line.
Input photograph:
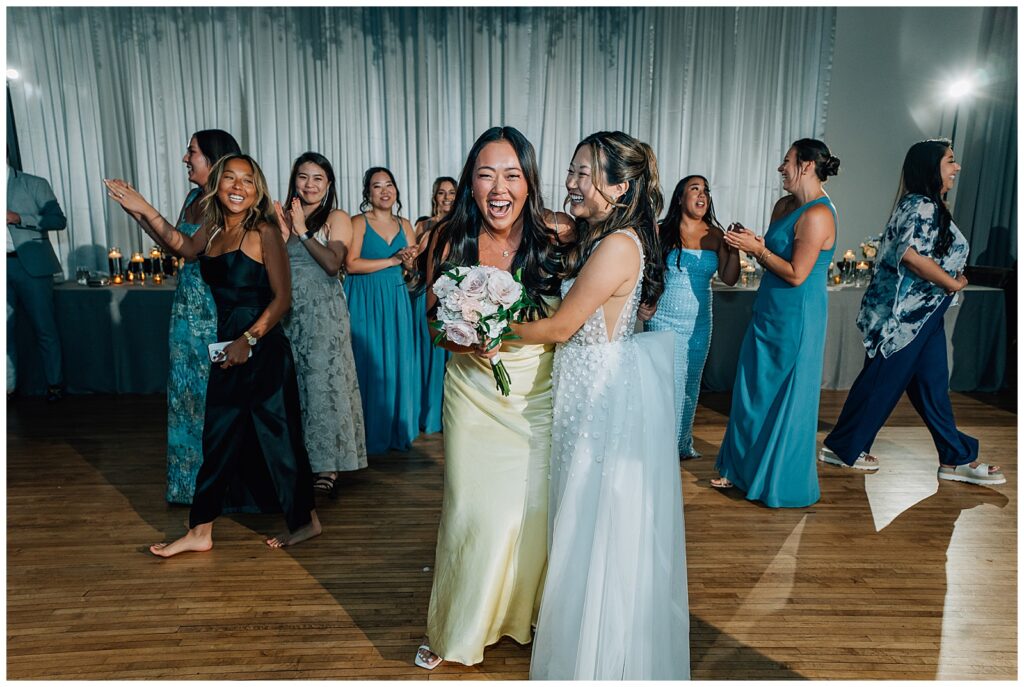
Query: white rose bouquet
x,y
476,304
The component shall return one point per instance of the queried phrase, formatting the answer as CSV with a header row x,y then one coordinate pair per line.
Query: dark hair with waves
x,y
812,150
433,192
365,204
318,217
668,228
459,231
623,158
922,175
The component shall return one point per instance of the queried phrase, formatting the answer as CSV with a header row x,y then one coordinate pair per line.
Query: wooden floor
x,y
890,575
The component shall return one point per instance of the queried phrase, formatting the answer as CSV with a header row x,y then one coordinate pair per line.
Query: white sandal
x,y
965,473
425,658
830,457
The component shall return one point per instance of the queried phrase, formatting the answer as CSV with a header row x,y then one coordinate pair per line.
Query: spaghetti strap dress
x,y
383,344
252,436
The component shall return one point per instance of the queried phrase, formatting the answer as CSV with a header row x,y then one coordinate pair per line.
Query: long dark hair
x,y
437,187
812,150
922,175
624,158
459,231
365,204
318,217
215,144
668,228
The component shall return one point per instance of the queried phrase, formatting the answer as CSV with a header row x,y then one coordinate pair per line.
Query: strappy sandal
x,y
425,658
324,486
721,483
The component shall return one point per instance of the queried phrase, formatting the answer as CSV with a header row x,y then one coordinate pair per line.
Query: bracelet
x,y
764,255
249,338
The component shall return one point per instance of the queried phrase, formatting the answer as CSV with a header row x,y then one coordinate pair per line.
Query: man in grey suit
x,y
32,211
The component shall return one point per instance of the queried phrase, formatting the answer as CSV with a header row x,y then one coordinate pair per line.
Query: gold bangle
x,y
764,255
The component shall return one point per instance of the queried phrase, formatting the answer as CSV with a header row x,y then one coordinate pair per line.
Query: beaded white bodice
x,y
595,330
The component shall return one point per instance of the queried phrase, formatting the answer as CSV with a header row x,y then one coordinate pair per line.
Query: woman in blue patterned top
x,y
693,250
193,323
918,273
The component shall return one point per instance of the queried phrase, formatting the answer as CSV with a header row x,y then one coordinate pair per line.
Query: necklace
x,y
504,253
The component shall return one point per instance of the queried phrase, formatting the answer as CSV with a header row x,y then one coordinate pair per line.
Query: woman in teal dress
x,y
383,244
193,324
432,358
693,250
769,447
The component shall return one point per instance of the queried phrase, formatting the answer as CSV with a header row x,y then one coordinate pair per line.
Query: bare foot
x,y
302,534
193,540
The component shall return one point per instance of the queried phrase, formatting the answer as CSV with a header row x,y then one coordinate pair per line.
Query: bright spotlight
x,y
13,74
960,88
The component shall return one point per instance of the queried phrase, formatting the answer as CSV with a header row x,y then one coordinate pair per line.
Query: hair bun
x,y
831,166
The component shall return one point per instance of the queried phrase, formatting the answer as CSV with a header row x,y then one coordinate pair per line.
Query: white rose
x,y
461,333
446,315
471,310
495,328
453,301
443,286
475,283
503,288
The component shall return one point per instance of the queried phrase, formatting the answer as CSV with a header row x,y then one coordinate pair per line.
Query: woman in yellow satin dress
x,y
492,539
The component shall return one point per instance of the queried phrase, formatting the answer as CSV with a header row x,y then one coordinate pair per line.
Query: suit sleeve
x,y
49,216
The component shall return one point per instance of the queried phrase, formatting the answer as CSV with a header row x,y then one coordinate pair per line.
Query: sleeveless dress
x,y
615,599
193,326
492,538
384,349
319,331
432,363
252,436
770,442
685,308
432,359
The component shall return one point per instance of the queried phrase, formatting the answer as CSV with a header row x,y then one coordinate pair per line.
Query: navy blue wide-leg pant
x,y
919,368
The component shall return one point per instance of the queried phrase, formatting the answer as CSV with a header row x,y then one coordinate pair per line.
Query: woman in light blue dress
x,y
432,358
769,446
383,340
693,250
193,324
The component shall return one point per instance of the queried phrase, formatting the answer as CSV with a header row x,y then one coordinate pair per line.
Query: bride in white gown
x,y
614,605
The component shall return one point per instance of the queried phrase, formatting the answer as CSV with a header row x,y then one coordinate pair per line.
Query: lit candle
x,y
154,260
136,264
114,261
158,278
116,279
849,255
862,265
130,276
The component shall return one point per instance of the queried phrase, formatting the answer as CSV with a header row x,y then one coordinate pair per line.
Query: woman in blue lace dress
x,y
316,236
193,323
693,250
383,343
769,445
919,271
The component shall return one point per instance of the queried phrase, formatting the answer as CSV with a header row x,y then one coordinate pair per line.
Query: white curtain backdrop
x,y
110,92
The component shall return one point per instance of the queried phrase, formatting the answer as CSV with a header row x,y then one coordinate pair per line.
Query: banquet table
x,y
114,339
975,338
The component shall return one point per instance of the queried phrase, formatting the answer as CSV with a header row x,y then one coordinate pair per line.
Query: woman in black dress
x,y
252,436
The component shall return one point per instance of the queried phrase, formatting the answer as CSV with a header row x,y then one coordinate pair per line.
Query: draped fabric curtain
x,y
986,202
117,92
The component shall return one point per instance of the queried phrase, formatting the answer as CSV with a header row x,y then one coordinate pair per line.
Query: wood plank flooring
x,y
889,576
